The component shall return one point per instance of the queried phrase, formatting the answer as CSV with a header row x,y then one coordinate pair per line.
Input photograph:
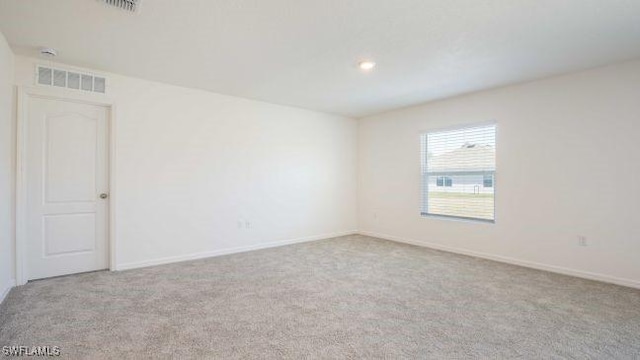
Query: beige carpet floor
x,y
343,298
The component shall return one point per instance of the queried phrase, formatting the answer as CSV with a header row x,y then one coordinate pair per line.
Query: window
x,y
487,181
444,181
458,171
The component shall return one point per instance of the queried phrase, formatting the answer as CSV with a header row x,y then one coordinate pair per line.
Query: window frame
x,y
424,178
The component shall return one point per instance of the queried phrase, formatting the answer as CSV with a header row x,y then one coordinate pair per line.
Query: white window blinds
x,y
458,173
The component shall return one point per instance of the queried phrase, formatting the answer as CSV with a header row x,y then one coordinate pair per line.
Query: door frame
x,y
24,94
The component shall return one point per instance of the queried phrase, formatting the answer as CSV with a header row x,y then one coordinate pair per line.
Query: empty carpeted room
x,y
338,179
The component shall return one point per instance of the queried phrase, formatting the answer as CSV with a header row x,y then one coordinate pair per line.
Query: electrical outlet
x,y
582,240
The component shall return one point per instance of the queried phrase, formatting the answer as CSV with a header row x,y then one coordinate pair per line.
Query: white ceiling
x,y
304,53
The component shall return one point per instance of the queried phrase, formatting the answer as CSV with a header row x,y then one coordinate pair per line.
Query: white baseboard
x,y
4,291
208,254
525,263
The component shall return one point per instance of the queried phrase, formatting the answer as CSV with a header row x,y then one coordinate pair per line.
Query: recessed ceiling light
x,y
366,65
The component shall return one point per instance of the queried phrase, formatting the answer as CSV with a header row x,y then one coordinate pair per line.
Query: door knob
x,y
103,196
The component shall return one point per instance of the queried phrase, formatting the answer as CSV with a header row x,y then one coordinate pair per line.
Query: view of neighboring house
x,y
469,169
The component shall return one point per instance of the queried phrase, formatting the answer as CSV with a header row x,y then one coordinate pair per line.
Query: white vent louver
x,y
128,5
71,80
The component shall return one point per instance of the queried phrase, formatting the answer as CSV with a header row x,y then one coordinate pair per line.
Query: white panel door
x,y
67,177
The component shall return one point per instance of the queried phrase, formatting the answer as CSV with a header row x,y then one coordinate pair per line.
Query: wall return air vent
x,y
128,5
70,79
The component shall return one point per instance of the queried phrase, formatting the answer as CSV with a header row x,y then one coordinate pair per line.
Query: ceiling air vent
x,y
70,79
128,5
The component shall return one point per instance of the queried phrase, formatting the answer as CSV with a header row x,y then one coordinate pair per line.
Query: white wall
x,y
7,172
568,164
190,164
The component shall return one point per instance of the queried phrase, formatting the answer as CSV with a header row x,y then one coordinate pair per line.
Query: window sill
x,y
458,219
